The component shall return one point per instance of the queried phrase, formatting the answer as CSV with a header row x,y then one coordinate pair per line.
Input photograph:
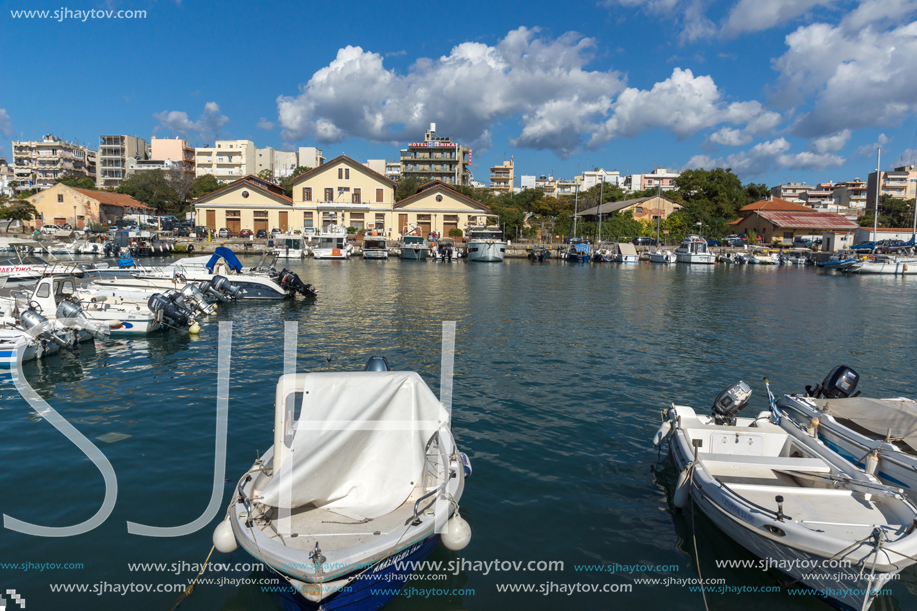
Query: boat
x,y
694,249
579,251
604,252
444,249
335,525
539,254
662,256
793,257
375,247
844,261
878,434
888,264
485,242
626,253
762,256
290,246
788,498
331,243
413,247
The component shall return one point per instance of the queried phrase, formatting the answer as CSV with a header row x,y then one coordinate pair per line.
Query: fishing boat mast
x,y
575,208
875,230
601,197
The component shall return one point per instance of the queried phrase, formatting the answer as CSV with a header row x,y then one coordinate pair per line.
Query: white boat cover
x,y
877,415
358,448
626,248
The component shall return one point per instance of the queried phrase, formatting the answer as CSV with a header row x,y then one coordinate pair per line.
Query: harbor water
x,y
561,372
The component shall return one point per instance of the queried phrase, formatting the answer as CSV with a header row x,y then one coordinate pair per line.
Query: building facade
x,y
393,170
78,207
247,203
310,157
38,164
227,160
643,208
175,150
114,151
791,191
436,158
599,176
850,194
437,207
660,178
502,177
900,182
281,164
821,197
6,177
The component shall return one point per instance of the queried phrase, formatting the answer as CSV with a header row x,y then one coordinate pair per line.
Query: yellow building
x,y
502,177
61,204
247,203
437,207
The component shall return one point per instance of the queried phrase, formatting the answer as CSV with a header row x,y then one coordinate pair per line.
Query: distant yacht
x,y
485,242
694,250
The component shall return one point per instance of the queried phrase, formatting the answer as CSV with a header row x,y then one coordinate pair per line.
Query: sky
x,y
777,90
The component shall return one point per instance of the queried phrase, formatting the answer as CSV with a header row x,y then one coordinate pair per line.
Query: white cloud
x,y
208,124
728,136
541,80
765,157
868,150
830,144
264,124
878,11
6,125
907,157
687,14
757,15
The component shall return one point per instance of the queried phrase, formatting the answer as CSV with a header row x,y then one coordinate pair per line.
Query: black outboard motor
x,y
207,289
377,363
166,311
729,402
839,384
290,282
177,300
224,286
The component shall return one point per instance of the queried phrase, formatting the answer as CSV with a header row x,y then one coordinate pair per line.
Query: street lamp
x,y
74,218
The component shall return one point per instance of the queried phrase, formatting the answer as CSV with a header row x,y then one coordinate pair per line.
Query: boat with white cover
x,y
485,242
625,252
694,249
663,256
788,498
878,434
290,246
331,520
332,243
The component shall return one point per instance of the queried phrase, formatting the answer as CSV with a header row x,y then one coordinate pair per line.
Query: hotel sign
x,y
445,144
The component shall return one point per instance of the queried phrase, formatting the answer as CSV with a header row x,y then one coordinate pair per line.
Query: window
x,y
380,195
260,214
450,218
60,198
220,159
233,214
423,217
639,209
340,173
43,290
357,195
307,194
329,194
307,219
346,173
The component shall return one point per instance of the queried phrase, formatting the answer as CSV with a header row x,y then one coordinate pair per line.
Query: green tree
x,y
18,209
893,212
713,198
76,180
267,175
153,189
204,185
406,188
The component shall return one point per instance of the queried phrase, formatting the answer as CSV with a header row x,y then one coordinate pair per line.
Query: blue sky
x,y
778,90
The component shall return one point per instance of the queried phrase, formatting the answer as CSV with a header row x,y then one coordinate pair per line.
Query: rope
x,y
190,588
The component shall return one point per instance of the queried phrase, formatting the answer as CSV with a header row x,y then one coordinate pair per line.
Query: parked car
x,y
202,232
644,241
275,233
245,233
734,242
51,228
182,231
224,233
712,242
261,234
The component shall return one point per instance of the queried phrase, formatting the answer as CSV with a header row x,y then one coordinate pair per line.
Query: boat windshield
x,y
373,243
326,242
292,243
413,239
485,233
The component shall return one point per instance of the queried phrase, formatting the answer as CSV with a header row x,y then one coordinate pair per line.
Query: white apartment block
x,y
6,177
791,191
660,178
280,163
310,157
227,160
393,170
599,176
527,182
38,164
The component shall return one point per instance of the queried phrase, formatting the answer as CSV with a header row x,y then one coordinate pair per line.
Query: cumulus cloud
x,y
728,136
908,157
830,144
543,81
757,15
688,15
265,124
868,150
206,127
683,104
6,125
766,157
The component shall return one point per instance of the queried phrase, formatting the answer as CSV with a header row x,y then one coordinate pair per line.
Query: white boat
x,y
861,429
694,249
332,243
844,261
444,249
375,247
413,248
888,264
762,256
485,242
290,246
330,519
604,252
626,253
788,498
662,256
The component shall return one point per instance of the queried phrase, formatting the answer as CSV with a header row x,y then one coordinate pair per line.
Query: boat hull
x,y
409,253
897,268
375,254
696,258
486,251
619,258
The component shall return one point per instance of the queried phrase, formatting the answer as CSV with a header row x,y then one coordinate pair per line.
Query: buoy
x,y
662,433
115,324
813,426
458,533
680,499
194,329
872,462
223,539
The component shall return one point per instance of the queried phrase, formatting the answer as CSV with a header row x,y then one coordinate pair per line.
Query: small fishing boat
x,y
444,249
604,252
844,261
539,254
290,246
485,242
339,526
626,253
663,256
880,435
788,498
332,243
579,251
694,250
375,247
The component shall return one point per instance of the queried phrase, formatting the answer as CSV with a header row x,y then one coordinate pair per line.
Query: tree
x,y
203,185
287,181
76,180
181,182
893,212
713,198
406,188
18,209
267,175
153,189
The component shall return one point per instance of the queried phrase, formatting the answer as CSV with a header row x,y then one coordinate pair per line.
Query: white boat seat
x,y
773,463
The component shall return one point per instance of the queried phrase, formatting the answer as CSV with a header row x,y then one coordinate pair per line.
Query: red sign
x,y
469,156
448,144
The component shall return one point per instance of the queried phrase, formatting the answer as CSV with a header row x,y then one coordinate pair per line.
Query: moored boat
x,y
694,249
375,247
332,243
485,242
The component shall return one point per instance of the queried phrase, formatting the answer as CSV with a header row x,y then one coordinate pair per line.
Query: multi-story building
x,y
900,183
39,164
527,182
599,176
821,197
546,184
436,159
660,178
393,170
147,165
227,160
376,165
791,191
502,177
310,157
6,177
175,150
850,194
114,151
567,187
280,163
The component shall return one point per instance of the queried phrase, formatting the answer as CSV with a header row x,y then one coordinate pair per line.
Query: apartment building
x,y
850,194
37,164
660,178
376,165
502,177
280,163
175,150
310,157
598,176
900,182
527,182
227,160
6,177
546,184
821,197
791,191
393,170
436,158
567,187
114,151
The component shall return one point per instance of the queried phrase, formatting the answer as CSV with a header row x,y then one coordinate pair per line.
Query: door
x,y
234,226
212,220
447,227
424,229
284,223
260,225
402,223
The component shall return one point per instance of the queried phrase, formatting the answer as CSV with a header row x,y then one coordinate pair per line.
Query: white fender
x,y
682,488
662,433
458,533
223,539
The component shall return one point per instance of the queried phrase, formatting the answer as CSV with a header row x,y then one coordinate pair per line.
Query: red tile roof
x,y
112,199
808,220
775,204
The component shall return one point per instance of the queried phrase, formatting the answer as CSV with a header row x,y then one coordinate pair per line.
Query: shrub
x,y
455,232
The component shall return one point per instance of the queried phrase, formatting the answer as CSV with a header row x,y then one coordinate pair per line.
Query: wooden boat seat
x,y
773,463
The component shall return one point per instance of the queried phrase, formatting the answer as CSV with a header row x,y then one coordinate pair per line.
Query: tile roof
x,y
808,220
609,207
112,199
775,204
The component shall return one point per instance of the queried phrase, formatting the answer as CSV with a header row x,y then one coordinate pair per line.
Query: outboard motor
x,y
377,363
206,288
39,327
223,285
729,402
194,296
289,281
166,311
68,312
839,384
176,298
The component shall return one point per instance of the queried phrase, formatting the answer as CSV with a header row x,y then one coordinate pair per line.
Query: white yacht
x,y
662,256
889,264
290,246
694,249
332,243
485,242
375,247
